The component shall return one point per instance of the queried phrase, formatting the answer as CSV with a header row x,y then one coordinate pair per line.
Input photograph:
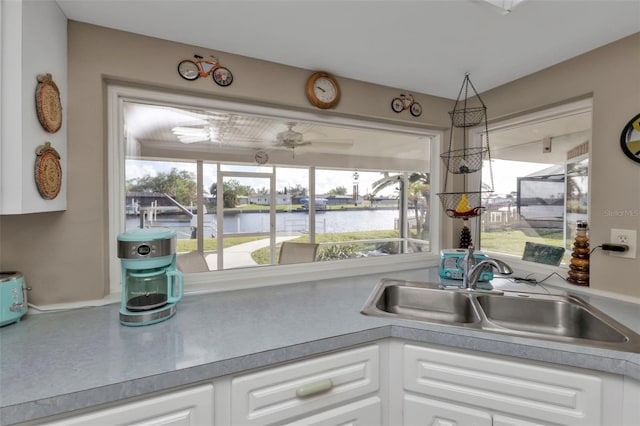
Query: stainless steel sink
x,y
563,316
553,317
427,304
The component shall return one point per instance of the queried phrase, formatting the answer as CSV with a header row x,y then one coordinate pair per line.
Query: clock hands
x,y
323,91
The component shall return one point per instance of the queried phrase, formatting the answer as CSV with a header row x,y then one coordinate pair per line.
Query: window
x,y
235,185
539,174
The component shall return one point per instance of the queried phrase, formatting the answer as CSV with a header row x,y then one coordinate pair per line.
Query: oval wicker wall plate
x,y
48,172
48,106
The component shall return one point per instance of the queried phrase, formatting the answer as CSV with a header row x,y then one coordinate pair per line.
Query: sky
x,y
506,173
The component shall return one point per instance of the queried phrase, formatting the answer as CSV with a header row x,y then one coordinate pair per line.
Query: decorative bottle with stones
x,y
465,235
579,264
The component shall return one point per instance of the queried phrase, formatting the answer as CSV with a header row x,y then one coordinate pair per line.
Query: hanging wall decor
x,y
48,106
630,139
403,102
467,204
48,172
192,69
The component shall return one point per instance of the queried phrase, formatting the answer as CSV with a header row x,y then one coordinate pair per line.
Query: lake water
x,y
326,222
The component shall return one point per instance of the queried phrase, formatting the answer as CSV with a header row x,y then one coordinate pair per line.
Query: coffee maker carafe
x,y
151,284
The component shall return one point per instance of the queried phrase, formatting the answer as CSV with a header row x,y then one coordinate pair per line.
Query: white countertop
x,y
57,362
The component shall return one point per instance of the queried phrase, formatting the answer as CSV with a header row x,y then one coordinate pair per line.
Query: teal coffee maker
x,y
151,284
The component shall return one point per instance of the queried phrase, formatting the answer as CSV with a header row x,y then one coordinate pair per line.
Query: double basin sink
x,y
554,317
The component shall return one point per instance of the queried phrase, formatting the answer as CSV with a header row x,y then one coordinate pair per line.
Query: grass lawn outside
x,y
262,257
211,244
513,242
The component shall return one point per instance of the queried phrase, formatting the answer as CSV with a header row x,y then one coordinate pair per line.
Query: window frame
x,y
233,279
570,108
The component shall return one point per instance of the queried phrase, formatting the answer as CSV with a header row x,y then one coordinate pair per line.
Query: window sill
x,y
263,276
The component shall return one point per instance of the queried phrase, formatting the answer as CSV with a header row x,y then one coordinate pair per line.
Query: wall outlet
x,y
625,236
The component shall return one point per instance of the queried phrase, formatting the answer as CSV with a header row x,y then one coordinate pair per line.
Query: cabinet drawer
x,y
189,407
528,390
295,389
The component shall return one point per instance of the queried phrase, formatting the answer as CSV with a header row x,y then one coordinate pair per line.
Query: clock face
x,y
261,157
323,90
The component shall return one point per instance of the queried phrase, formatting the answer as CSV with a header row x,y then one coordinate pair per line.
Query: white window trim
x,y
255,276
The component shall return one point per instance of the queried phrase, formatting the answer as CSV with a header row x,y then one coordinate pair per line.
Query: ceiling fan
x,y
231,130
292,139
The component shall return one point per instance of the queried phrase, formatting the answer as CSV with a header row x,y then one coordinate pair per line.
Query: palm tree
x,y
419,190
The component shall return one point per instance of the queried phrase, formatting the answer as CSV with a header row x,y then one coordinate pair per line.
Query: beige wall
x,y
64,254
610,75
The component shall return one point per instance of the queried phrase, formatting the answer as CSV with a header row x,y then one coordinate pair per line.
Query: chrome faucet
x,y
473,268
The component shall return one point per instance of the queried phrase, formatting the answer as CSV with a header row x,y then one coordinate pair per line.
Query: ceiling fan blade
x,y
332,143
291,144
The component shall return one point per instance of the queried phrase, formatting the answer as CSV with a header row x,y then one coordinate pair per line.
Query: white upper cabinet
x,y
33,42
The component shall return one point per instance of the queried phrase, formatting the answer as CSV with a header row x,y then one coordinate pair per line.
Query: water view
x,y
249,222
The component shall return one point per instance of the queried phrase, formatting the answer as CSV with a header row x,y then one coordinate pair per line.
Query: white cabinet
x,y
391,382
366,412
465,388
339,388
33,41
189,407
431,412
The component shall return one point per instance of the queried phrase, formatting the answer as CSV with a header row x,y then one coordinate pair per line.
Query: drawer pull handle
x,y
315,388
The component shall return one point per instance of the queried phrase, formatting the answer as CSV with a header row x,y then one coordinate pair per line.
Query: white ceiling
x,y
423,46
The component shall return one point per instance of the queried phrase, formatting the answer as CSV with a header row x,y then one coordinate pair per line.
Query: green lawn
x,y
513,241
262,256
211,244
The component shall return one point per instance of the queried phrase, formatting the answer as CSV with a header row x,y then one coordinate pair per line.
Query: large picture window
x,y
539,171
236,186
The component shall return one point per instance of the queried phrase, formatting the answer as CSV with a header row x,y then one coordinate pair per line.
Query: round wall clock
x,y
630,139
261,157
222,76
48,106
48,172
323,90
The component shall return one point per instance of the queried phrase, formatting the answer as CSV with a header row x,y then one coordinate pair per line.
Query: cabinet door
x,y
420,411
518,388
502,420
190,407
367,412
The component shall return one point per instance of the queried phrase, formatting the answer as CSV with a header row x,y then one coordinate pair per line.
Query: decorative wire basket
x,y
461,205
462,161
467,117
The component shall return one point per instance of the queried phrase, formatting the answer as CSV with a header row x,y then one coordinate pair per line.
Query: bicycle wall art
x,y
191,70
403,102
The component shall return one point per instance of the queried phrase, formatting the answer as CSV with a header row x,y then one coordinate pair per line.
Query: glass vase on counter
x,y
579,264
